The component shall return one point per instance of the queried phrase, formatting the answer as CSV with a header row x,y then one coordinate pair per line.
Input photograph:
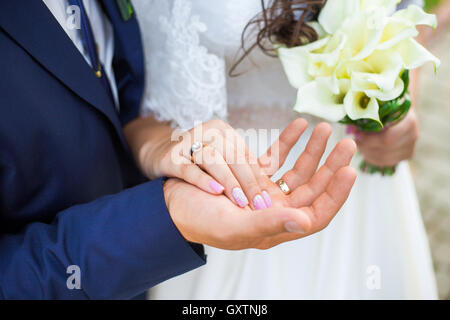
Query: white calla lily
x,y
387,95
296,62
373,91
364,33
336,12
345,69
415,16
316,99
395,32
402,25
357,63
385,69
359,106
388,5
415,55
332,51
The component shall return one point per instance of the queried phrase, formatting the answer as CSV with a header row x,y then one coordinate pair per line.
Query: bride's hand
x,y
393,145
222,164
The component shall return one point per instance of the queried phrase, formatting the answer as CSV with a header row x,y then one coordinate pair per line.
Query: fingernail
x,y
239,197
258,203
350,129
357,136
267,199
216,187
293,227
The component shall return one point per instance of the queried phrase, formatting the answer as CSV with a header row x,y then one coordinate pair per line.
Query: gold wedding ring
x,y
284,187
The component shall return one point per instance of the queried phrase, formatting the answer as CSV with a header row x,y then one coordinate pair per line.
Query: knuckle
x,y
209,152
261,178
229,181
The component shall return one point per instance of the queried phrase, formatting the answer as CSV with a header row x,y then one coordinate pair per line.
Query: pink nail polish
x,y
267,199
350,130
239,197
216,187
258,203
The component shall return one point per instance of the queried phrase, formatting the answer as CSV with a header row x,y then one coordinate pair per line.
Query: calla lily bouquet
x,y
357,72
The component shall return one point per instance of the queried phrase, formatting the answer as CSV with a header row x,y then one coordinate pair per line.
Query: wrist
x,y
152,154
148,140
146,161
174,206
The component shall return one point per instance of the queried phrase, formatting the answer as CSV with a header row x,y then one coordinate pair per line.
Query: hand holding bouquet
x,y
357,72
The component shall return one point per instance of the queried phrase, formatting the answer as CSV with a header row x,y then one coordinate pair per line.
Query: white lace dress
x,y
375,248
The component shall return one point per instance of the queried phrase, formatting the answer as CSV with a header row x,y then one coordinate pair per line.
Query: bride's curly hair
x,y
280,22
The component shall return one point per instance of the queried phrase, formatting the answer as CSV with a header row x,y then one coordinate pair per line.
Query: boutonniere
x,y
126,9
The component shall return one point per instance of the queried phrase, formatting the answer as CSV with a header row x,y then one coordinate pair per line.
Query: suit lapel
x,y
33,27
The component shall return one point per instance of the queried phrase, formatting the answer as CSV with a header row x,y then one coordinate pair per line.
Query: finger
x,y
238,163
340,157
192,174
324,209
261,178
212,161
235,152
273,222
274,158
274,226
307,164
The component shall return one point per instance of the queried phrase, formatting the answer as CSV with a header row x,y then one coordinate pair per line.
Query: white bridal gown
x,y
376,248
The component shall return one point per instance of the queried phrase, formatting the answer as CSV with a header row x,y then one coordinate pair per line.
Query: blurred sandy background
x,y
431,165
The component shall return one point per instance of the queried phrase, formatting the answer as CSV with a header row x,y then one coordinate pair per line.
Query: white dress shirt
x,y
103,33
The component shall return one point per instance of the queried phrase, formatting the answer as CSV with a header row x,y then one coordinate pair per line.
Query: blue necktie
x,y
89,43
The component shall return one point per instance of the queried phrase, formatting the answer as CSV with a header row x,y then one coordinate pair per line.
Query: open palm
x,y
317,195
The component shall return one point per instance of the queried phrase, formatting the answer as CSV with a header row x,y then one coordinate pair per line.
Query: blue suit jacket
x,y
70,193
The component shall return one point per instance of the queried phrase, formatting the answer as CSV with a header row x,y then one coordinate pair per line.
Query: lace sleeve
x,y
185,82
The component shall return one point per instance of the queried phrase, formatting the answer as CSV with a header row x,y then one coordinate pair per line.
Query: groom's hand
x,y
315,199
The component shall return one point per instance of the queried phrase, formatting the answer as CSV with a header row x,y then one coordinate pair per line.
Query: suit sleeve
x,y
121,244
